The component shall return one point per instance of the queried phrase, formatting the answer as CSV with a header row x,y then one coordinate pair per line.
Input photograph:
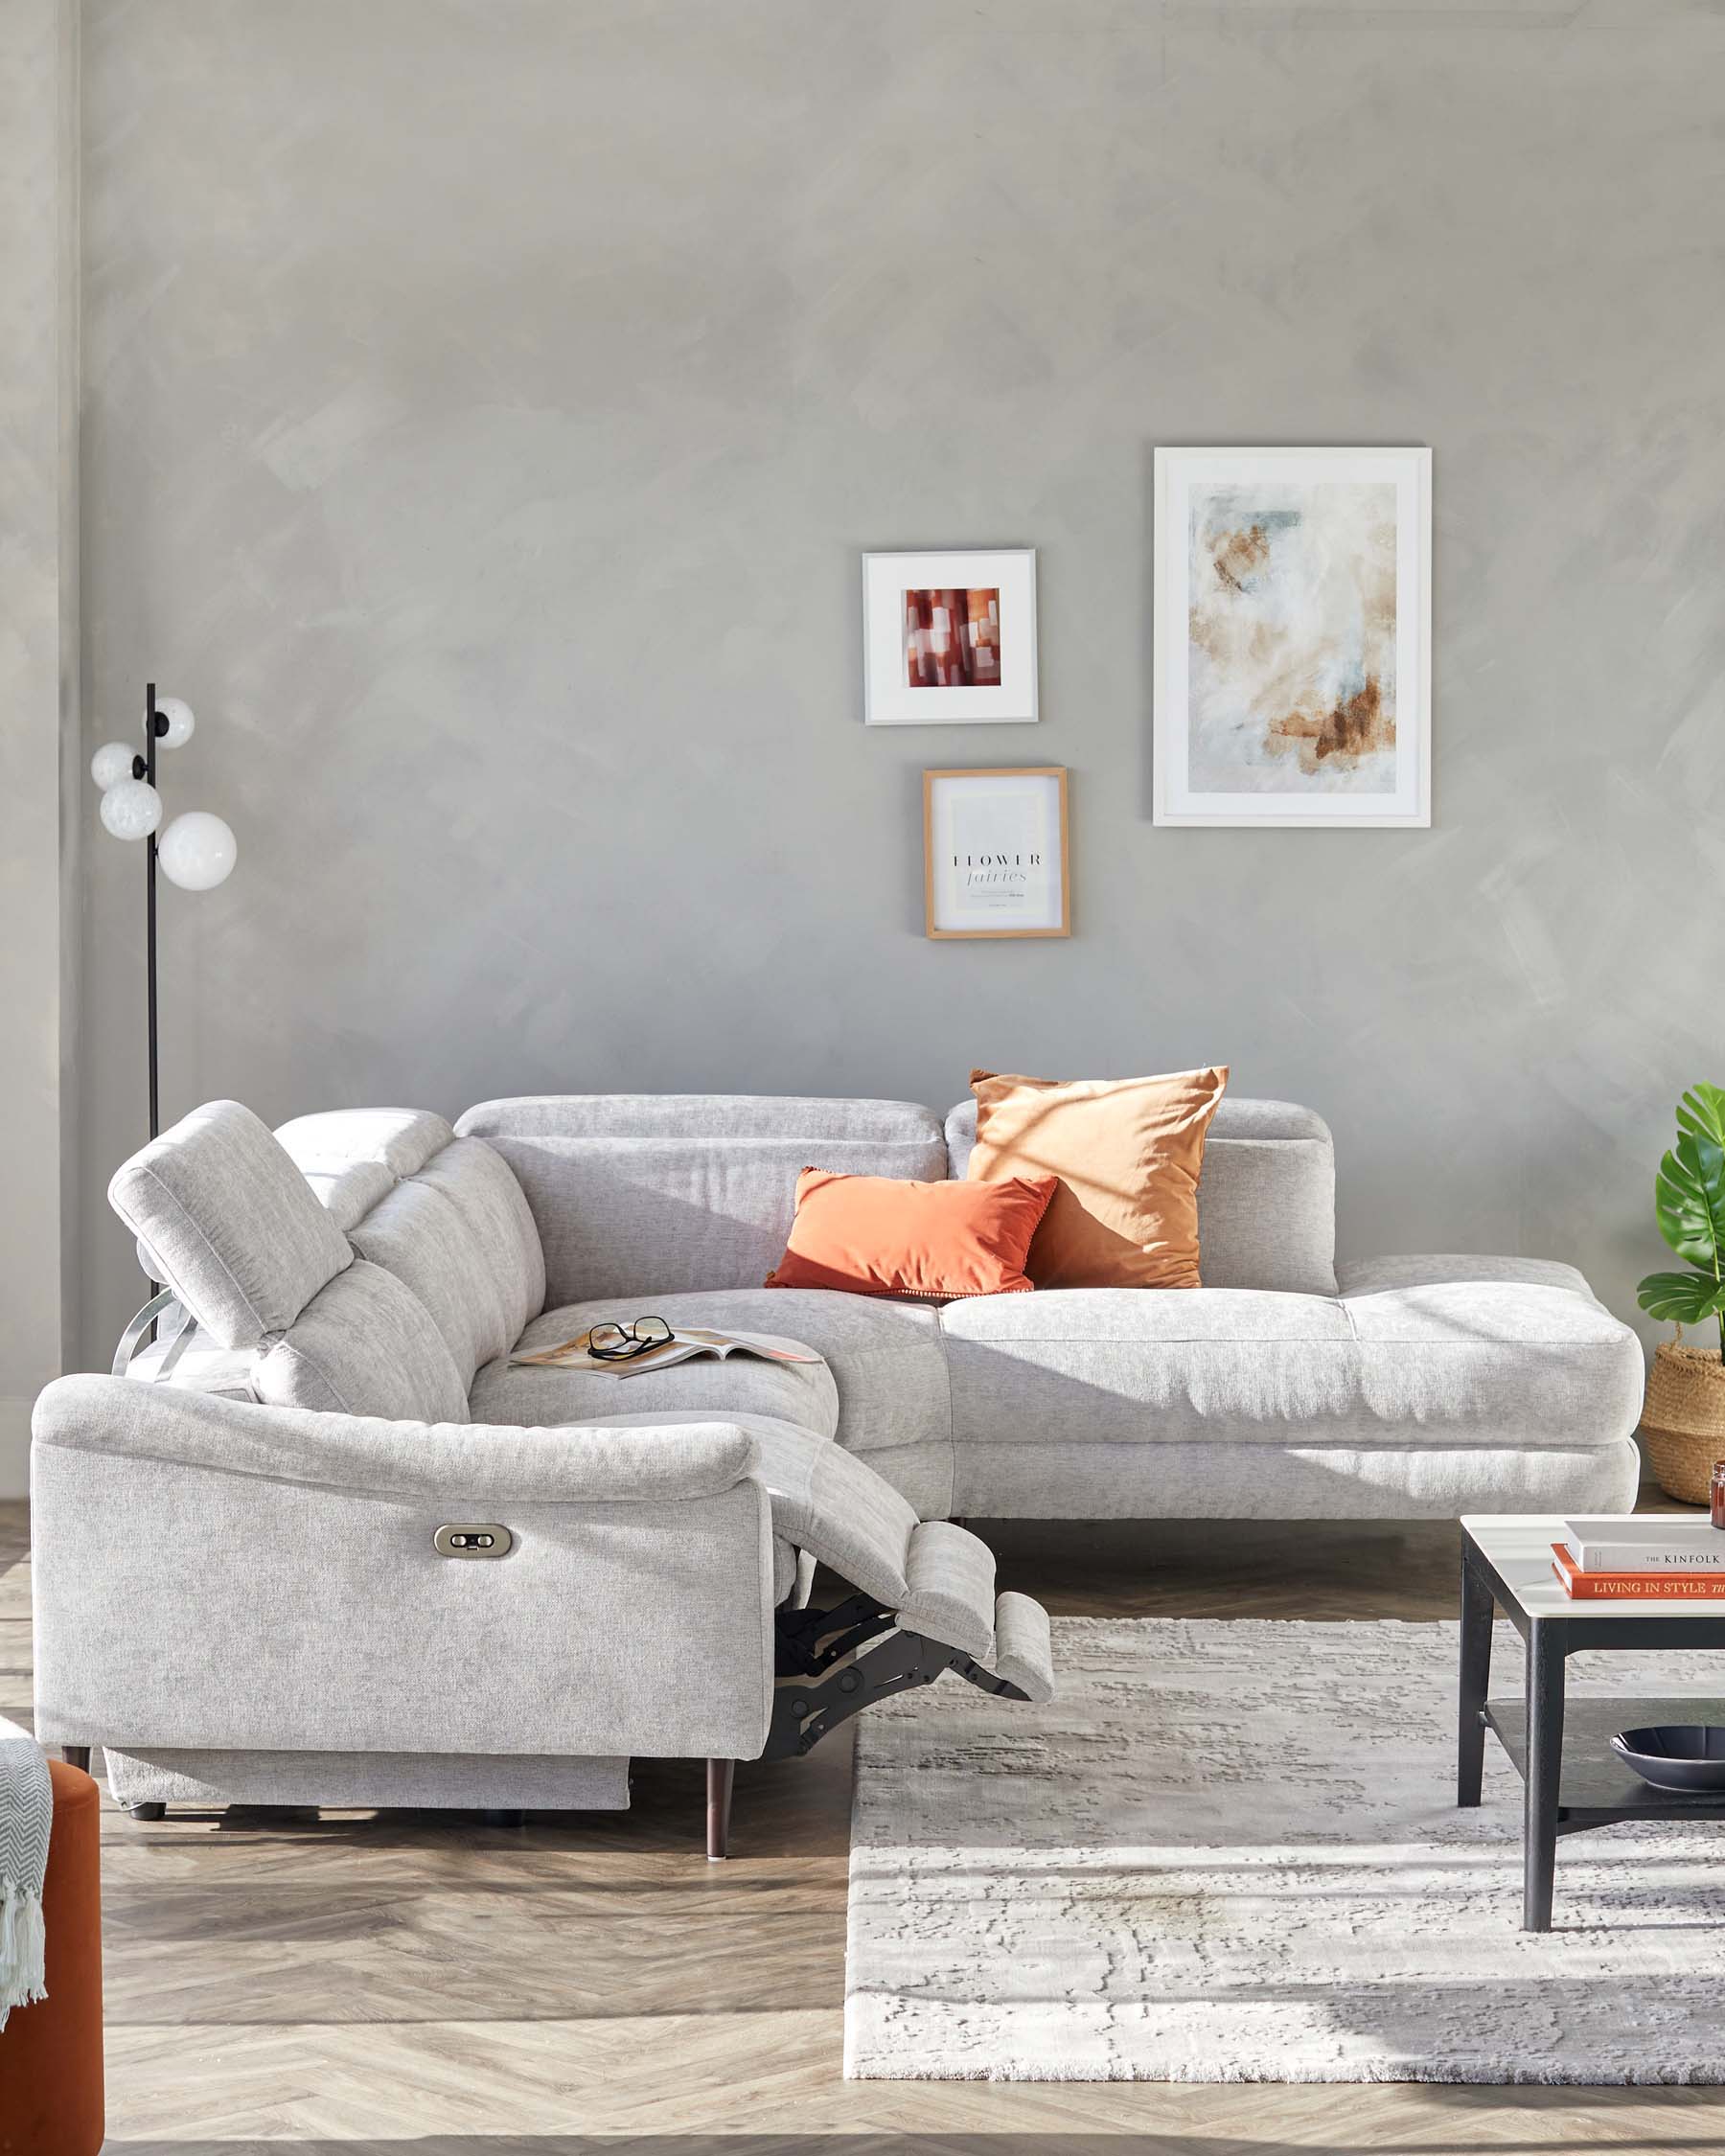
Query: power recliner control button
x,y
472,1539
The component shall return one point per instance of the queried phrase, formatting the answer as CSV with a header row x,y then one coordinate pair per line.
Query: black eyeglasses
x,y
622,1343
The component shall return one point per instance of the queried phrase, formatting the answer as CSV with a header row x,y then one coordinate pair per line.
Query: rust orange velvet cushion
x,y
1128,1152
874,1235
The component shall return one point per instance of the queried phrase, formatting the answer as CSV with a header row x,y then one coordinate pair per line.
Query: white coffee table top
x,y
1519,1547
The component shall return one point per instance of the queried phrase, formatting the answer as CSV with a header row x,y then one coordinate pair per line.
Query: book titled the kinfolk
x,y
1634,1586
1645,1543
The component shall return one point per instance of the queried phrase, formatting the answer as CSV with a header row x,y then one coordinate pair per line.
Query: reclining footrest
x,y
927,1584
949,1574
952,1600
1024,1654
1018,1666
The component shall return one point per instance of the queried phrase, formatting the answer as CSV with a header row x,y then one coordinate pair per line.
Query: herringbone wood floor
x,y
418,1987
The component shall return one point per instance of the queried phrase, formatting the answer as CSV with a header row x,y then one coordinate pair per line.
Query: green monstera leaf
x,y
1688,1202
1681,1298
1701,1112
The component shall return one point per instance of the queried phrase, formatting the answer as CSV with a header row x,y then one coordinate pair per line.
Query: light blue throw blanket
x,y
26,1817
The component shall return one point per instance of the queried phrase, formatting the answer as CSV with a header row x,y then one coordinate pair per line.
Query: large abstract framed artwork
x,y
949,638
1293,636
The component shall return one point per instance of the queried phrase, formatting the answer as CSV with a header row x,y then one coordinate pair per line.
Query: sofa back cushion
x,y
443,1215
228,1222
367,1259
1266,1197
363,1345
352,1156
665,1193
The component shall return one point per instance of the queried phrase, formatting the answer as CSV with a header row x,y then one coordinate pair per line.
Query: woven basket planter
x,y
1683,1419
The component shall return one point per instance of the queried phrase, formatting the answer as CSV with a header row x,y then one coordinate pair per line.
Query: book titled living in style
x,y
1634,1586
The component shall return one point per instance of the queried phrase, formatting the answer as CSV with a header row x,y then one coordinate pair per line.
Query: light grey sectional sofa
x,y
241,1598
1395,1387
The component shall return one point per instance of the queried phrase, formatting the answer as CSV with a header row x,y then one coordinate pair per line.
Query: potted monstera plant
x,y
1683,1421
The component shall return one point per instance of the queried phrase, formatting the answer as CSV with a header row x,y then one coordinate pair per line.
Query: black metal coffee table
x,y
1571,1777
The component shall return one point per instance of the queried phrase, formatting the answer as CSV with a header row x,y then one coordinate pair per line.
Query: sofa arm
x,y
211,1575
622,1463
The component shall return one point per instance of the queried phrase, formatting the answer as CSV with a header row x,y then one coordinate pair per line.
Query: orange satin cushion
x,y
50,2093
1127,1151
874,1235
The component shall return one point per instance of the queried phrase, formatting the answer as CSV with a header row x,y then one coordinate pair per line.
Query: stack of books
x,y
1644,1558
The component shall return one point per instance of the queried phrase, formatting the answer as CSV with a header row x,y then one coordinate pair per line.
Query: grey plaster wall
x,y
486,406
39,696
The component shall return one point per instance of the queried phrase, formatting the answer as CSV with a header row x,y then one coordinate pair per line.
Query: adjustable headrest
x,y
236,1229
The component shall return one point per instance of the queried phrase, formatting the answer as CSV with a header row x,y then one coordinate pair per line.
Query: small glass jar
x,y
1718,1493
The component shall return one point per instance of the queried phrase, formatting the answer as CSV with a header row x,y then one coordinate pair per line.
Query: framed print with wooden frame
x,y
950,638
995,853
1294,638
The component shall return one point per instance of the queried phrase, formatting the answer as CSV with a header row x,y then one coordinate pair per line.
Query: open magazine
x,y
683,1345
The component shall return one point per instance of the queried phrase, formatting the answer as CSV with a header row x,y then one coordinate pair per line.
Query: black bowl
x,y
1681,1756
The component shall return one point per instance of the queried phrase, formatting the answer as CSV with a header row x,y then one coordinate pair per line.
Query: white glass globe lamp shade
x,y
181,722
111,763
196,850
131,809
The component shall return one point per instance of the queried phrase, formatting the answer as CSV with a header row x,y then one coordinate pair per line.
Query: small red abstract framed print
x,y
995,853
950,638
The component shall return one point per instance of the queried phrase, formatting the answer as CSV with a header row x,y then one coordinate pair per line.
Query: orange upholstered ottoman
x,y
50,2053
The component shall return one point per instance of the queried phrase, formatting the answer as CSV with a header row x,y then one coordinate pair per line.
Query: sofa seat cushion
x,y
884,1383
1480,1362
802,1393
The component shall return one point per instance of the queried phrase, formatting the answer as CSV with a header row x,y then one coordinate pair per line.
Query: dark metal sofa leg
x,y
148,1813
77,1756
721,1772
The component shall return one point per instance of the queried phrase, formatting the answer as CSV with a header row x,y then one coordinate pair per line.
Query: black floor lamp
x,y
196,850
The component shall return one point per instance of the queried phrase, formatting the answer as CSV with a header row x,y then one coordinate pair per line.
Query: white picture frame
x,y
1281,680
996,860
954,650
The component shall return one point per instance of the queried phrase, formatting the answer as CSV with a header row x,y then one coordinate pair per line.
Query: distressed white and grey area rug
x,y
1231,1852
